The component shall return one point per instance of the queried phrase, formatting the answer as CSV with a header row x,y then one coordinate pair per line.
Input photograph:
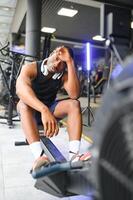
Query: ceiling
x,y
77,30
81,27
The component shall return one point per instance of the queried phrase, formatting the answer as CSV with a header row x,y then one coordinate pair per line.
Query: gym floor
x,y
16,182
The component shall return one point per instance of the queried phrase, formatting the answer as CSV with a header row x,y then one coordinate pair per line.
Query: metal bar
x,y
51,150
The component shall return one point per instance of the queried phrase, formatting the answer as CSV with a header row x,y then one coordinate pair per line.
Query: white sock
x,y
74,146
36,149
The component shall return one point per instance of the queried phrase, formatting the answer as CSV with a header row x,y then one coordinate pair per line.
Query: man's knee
x,y
74,104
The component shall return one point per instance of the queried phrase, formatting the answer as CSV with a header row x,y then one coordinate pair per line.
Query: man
x,y
37,86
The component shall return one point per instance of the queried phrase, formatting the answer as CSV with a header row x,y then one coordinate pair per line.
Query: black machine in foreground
x,y
109,176
112,166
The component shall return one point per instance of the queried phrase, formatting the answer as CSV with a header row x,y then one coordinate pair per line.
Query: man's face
x,y
54,64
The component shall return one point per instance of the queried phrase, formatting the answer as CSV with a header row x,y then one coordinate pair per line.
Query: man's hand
x,y
50,124
63,54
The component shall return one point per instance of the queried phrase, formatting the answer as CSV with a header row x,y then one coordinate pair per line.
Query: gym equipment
x,y
9,82
62,178
15,61
101,84
113,136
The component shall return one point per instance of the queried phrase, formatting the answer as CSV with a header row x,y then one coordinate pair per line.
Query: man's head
x,y
56,61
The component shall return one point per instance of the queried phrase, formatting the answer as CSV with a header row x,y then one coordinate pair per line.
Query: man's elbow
x,y
74,97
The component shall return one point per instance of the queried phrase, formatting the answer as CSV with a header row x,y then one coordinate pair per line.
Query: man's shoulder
x,y
29,69
29,64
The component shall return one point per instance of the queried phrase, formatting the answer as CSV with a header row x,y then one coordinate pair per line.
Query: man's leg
x,y
71,109
28,122
31,132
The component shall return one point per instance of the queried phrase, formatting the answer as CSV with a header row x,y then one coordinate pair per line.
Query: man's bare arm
x,y
70,79
24,87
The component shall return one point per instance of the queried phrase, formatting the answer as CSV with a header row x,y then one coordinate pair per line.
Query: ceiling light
x,y
132,24
48,30
67,12
5,8
98,37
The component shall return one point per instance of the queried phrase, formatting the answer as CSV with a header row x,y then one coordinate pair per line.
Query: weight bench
x,y
62,178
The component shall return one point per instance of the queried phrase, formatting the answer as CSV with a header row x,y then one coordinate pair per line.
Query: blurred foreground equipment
x,y
113,136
